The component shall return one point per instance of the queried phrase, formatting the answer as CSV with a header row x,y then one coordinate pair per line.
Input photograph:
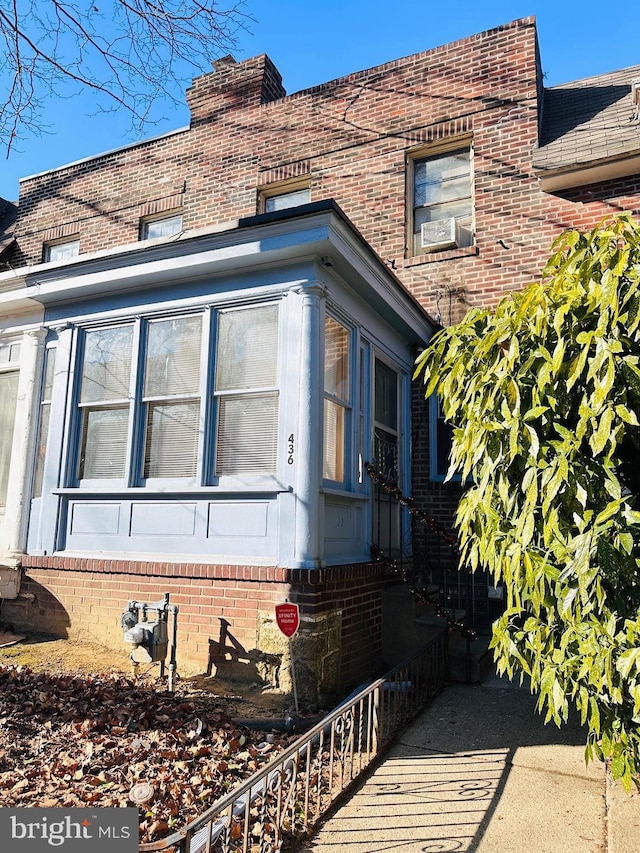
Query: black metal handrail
x,y
408,573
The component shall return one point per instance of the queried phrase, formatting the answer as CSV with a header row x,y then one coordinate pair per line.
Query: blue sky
x,y
311,43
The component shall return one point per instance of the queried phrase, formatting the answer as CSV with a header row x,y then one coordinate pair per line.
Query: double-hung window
x,y
337,399
46,395
172,397
106,393
441,215
246,391
9,375
167,409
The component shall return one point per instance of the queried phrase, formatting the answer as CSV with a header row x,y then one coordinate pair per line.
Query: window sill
x,y
168,491
342,493
444,255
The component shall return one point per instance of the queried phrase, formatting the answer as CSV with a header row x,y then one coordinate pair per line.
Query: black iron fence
x,y
286,798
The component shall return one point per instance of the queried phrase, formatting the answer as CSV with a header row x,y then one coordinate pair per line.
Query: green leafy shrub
x,y
544,393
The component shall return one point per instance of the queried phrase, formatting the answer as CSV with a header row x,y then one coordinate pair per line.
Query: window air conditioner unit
x,y
440,234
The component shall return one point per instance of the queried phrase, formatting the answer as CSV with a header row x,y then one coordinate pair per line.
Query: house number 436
x,y
290,449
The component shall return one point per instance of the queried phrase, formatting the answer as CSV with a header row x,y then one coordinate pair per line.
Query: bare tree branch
x,y
131,53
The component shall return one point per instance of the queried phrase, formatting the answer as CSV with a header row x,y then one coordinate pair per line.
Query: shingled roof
x,y
587,125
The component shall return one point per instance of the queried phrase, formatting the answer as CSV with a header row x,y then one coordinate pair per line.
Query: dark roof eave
x,y
582,174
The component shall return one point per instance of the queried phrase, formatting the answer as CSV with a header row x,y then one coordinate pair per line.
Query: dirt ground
x,y
76,731
47,654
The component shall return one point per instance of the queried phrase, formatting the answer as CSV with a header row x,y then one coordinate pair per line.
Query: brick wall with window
x,y
372,141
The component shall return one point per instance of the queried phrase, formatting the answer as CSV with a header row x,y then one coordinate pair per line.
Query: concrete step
x,y
406,625
431,618
470,667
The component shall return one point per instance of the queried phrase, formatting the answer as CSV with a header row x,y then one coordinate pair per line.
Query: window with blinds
x,y
336,398
172,397
43,426
8,402
142,387
246,391
9,376
104,402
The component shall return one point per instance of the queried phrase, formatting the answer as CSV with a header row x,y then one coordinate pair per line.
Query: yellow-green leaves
x,y
545,395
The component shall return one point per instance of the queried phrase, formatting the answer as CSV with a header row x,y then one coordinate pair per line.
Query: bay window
x,y
143,387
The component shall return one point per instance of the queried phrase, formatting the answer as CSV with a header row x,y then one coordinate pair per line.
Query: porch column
x,y
308,478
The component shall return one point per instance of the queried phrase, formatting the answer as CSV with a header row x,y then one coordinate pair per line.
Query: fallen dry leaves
x,y
88,740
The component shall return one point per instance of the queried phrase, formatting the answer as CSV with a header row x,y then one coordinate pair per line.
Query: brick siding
x,y
351,137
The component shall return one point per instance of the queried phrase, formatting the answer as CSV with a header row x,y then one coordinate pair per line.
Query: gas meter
x,y
150,639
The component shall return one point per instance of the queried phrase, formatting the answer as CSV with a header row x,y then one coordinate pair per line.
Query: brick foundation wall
x,y
83,598
356,591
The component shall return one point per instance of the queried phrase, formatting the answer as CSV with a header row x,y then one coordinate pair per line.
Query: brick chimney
x,y
234,85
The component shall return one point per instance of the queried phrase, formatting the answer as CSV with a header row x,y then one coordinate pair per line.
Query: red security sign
x,y
288,618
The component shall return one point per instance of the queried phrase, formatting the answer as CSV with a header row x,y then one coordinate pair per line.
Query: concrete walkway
x,y
478,771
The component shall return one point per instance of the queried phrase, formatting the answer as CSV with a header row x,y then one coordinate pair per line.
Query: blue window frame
x,y
338,390
157,402
440,440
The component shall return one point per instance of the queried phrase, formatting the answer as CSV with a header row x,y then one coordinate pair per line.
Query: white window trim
x,y
283,188
459,143
51,246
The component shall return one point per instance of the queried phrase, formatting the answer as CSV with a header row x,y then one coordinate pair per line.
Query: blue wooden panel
x,y
94,519
344,534
202,529
238,518
163,519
